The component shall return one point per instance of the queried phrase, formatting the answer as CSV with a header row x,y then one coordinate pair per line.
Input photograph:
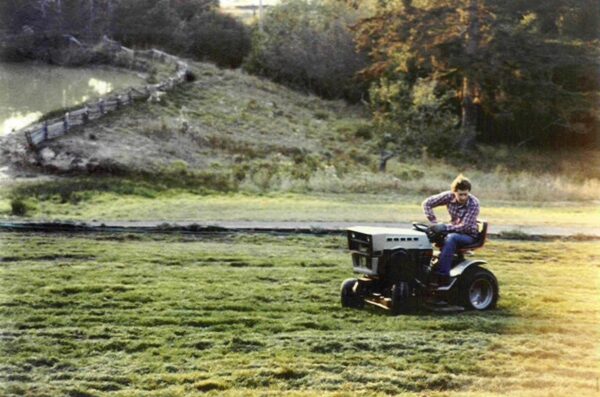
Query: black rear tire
x,y
350,296
401,302
478,289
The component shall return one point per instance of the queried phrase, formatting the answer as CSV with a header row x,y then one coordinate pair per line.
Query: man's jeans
x,y
452,242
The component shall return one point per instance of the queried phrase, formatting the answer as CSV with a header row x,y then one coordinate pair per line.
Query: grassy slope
x,y
231,132
142,316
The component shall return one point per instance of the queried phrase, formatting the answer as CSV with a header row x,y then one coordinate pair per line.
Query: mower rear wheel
x,y
478,289
400,303
350,294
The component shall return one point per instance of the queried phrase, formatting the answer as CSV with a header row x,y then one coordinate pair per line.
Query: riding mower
x,y
397,272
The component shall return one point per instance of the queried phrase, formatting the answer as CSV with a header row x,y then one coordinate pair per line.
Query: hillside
x,y
231,132
223,118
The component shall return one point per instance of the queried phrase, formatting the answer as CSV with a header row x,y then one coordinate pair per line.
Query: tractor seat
x,y
483,226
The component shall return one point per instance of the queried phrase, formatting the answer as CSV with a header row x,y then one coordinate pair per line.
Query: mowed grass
x,y
173,206
175,315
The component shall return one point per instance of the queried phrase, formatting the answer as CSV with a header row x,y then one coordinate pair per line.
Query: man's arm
x,y
469,221
435,201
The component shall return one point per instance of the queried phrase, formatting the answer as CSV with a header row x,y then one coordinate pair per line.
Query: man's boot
x,y
439,280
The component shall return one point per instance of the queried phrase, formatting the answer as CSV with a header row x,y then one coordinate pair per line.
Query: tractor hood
x,y
385,238
379,231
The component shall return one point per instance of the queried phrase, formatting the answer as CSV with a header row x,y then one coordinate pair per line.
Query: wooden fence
x,y
49,129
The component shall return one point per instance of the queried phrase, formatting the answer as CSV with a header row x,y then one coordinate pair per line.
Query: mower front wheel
x,y
350,294
400,299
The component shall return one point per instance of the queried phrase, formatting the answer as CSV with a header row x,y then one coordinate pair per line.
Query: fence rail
x,y
49,129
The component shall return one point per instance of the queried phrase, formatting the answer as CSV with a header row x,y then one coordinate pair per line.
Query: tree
x,y
190,27
504,63
309,45
217,37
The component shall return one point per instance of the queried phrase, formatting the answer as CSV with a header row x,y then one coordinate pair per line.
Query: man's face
x,y
461,196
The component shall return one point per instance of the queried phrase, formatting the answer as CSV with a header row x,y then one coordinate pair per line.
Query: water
x,y
29,90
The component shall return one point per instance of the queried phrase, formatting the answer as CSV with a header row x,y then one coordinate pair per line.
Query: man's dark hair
x,y
461,183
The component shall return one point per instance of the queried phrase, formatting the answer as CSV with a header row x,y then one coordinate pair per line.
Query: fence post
x,y
132,59
101,105
45,129
29,140
66,123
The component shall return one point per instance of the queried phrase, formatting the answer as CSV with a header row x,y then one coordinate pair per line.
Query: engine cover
x,y
367,245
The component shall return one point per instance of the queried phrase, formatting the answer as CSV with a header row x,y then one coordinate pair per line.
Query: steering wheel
x,y
420,227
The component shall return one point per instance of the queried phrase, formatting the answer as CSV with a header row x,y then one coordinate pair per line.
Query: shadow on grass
x,y
494,321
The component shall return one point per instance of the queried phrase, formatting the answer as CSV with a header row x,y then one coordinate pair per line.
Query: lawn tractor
x,y
396,272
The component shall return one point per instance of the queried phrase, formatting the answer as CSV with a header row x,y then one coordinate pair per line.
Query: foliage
x,y
19,206
217,37
308,44
413,119
189,27
522,71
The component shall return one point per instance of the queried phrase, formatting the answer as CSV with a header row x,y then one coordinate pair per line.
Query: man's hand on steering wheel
x,y
438,228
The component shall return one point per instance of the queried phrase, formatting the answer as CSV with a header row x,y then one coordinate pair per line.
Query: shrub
x,y
414,118
217,37
309,45
19,207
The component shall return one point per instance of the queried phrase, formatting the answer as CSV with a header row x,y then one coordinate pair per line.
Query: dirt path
x,y
507,231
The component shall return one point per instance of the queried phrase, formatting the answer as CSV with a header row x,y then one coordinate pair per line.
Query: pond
x,y
29,90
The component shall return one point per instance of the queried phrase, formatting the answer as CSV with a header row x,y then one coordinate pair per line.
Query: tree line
x,y
443,75
508,70
437,74
194,28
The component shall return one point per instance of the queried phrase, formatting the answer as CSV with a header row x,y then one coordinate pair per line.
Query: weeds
x,y
18,207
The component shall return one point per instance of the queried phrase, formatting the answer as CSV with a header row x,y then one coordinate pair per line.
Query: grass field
x,y
136,315
173,206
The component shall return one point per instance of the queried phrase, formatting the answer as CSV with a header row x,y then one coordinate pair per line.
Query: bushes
x,y
414,118
309,45
20,206
217,37
190,27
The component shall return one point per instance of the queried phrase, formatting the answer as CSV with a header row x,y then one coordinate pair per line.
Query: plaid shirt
x,y
463,218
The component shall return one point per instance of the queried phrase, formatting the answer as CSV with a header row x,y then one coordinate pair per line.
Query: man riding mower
x,y
400,271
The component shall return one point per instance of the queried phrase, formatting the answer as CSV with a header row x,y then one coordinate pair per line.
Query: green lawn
x,y
135,315
172,206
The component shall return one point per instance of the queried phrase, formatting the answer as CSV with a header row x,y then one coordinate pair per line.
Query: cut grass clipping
x,y
136,315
